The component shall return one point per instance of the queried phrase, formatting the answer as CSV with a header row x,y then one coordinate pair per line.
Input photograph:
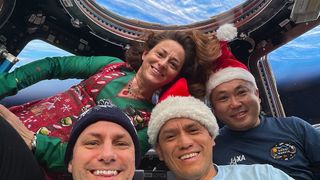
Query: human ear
x,y
159,152
70,167
144,55
257,94
213,142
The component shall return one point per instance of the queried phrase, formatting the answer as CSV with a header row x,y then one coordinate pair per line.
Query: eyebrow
x,y
168,131
121,136
236,89
98,135
173,58
188,126
193,124
164,50
94,134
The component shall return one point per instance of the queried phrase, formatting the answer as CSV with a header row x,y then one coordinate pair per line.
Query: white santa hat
x,y
179,104
227,67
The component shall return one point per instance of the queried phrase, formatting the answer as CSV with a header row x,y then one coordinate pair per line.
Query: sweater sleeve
x,y
80,67
50,152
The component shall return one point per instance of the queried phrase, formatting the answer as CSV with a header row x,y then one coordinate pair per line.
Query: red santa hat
x,y
176,102
179,88
227,67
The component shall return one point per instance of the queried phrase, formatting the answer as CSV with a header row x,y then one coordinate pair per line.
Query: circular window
x,y
121,21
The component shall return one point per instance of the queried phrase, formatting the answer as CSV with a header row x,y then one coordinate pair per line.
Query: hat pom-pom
x,y
226,32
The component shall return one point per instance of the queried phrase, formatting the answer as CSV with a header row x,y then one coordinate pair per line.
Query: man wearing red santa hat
x,y
290,144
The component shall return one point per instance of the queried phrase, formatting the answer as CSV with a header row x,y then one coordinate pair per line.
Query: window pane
x,y
296,67
169,12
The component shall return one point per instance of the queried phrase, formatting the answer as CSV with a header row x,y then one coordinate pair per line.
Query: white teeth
x,y
158,71
105,172
187,156
240,114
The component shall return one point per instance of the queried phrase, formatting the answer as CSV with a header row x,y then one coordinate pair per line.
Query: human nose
x,y
185,141
163,62
234,102
107,154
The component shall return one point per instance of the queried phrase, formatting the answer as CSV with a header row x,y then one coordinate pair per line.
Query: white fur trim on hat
x,y
226,32
181,107
228,74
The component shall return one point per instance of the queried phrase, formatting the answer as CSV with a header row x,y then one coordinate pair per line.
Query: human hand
x,y
15,122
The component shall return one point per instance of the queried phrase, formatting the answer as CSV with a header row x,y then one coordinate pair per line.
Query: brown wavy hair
x,y
200,51
207,52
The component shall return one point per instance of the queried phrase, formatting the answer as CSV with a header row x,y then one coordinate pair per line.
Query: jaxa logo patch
x,y
283,151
